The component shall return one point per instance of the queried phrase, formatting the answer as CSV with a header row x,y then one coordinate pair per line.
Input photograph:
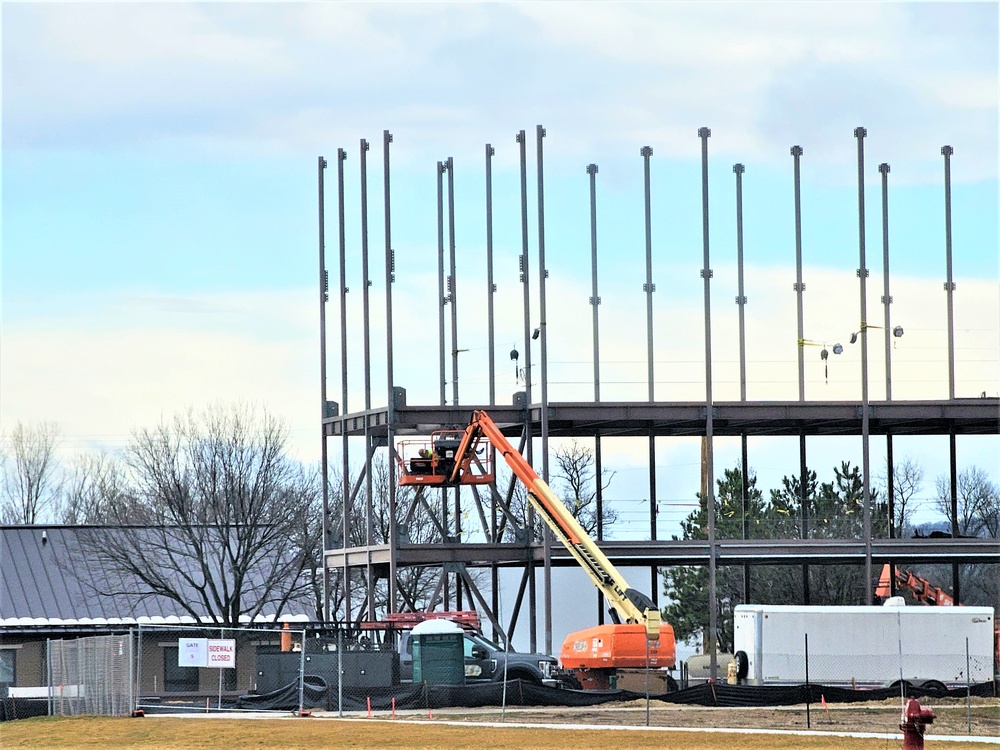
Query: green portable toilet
x,y
438,653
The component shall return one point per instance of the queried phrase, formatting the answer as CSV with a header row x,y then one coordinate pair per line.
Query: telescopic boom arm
x,y
630,605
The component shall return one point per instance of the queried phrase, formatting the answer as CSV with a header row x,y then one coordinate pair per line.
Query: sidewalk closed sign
x,y
222,653
206,652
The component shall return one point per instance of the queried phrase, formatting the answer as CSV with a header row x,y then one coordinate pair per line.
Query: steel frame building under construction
x,y
482,542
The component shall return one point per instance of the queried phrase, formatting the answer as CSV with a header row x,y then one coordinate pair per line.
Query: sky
x,y
160,214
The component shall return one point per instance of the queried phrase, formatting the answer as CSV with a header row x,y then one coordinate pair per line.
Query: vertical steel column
x,y
366,284
741,302
886,297
800,288
525,283
649,287
949,287
452,279
390,277
949,284
491,287
595,302
799,285
706,275
860,134
741,299
345,468
453,301
543,273
953,476
442,301
886,301
324,295
595,299
442,297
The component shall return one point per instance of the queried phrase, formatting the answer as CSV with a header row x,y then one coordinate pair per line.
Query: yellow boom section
x,y
631,605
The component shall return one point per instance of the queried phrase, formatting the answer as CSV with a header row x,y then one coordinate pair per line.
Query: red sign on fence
x,y
222,653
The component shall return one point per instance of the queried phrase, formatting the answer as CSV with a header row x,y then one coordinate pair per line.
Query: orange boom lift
x,y
637,638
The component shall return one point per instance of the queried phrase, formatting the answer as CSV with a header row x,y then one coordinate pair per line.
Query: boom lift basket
x,y
432,461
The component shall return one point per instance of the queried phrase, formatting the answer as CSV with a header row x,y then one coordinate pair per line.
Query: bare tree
x,y
577,485
978,502
95,489
227,522
415,584
29,491
907,482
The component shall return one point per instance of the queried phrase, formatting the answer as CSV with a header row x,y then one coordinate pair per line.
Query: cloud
x,y
124,362
295,77
119,362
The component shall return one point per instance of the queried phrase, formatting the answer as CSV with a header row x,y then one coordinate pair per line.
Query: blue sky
x,y
159,200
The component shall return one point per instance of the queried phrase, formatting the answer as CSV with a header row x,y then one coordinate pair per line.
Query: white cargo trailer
x,y
864,646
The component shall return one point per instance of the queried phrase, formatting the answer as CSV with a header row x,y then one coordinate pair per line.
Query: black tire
x,y
742,665
672,685
518,674
935,688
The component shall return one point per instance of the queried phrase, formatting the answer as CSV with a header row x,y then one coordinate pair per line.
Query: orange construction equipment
x,y
467,619
926,593
455,457
921,589
435,460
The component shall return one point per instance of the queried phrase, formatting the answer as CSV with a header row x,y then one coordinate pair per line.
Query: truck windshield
x,y
484,642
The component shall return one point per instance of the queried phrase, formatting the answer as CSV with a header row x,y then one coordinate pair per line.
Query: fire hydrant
x,y
915,721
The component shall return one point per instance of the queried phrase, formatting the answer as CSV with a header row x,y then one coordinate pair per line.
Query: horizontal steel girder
x,y
692,552
973,416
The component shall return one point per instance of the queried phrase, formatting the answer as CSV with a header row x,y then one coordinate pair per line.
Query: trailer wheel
x,y
742,665
935,688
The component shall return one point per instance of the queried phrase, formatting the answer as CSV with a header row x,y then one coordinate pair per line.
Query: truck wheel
x,y
516,674
672,685
742,665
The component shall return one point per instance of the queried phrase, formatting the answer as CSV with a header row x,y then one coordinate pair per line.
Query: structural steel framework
x,y
532,416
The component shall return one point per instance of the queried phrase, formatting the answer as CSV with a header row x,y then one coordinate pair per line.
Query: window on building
x,y
177,679
8,669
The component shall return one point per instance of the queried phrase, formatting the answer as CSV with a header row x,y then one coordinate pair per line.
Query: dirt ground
x,y
417,732
952,716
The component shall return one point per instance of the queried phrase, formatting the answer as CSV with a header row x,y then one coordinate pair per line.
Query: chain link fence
x,y
929,666
195,668
388,673
91,675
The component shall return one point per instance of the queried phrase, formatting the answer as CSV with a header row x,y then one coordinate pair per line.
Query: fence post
x,y
968,687
48,671
808,691
138,669
340,672
131,673
302,673
79,679
647,682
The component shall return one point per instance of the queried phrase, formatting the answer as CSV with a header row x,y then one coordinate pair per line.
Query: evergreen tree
x,y
687,586
834,510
